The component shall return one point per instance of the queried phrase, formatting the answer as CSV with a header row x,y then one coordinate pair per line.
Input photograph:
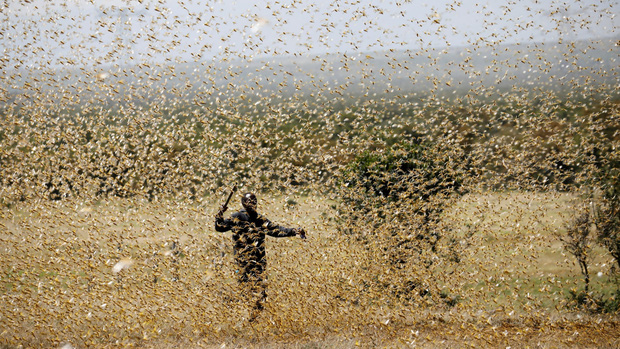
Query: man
x,y
249,229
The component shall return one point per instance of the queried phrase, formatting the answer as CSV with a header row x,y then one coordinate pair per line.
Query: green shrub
x,y
392,201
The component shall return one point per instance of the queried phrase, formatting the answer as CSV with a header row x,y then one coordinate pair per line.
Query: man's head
x,y
249,202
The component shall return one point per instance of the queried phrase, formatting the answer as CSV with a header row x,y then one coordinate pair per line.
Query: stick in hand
x,y
225,206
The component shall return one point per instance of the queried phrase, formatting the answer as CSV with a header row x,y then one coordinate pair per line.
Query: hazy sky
x,y
80,32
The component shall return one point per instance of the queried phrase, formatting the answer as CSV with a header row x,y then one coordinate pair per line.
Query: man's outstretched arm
x,y
279,231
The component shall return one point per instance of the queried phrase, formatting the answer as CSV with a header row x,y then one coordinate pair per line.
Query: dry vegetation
x,y
59,283
455,194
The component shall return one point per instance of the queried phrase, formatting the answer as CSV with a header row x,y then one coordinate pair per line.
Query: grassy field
x,y
133,273
435,173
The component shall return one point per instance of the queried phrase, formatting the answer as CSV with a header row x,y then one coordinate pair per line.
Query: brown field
x,y
59,285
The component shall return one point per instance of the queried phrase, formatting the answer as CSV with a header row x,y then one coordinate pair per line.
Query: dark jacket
x,y
249,238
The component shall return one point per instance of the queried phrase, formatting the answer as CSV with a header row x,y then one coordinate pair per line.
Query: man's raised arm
x,y
222,224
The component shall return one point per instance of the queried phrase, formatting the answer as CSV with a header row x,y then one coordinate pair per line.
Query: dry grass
x,y
109,111
178,288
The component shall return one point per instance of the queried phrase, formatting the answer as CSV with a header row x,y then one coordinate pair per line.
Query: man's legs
x,y
254,288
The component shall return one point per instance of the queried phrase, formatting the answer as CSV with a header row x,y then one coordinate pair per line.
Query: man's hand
x,y
301,232
223,209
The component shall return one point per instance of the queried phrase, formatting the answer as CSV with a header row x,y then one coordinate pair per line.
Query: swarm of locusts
x,y
458,183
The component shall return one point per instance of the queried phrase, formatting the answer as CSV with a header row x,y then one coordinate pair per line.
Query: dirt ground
x,y
439,334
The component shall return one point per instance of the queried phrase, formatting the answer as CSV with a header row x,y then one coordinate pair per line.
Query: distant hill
x,y
591,66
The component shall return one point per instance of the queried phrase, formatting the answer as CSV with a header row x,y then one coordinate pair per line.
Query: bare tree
x,y
577,242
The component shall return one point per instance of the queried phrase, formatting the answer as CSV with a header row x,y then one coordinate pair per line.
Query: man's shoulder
x,y
240,215
243,215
